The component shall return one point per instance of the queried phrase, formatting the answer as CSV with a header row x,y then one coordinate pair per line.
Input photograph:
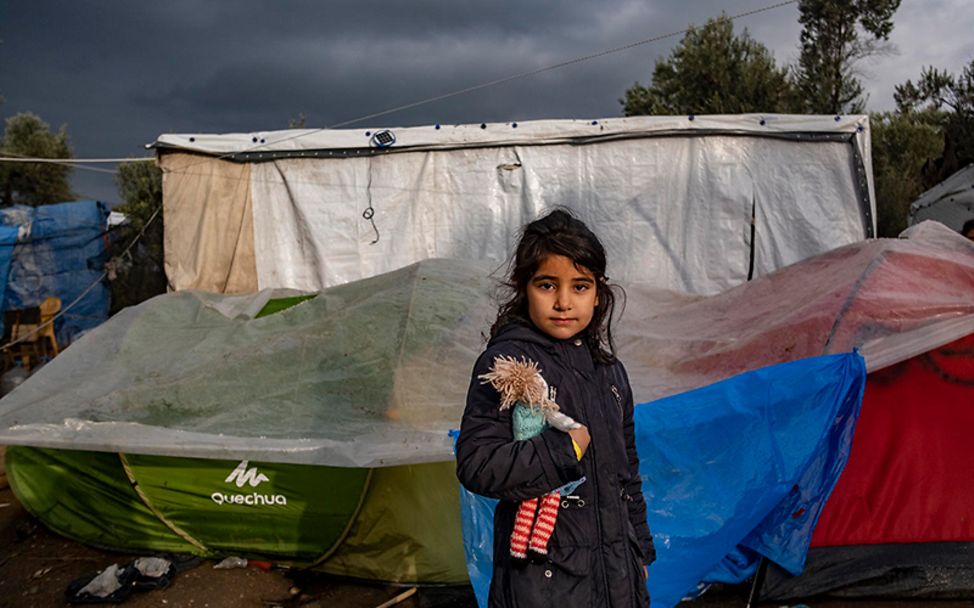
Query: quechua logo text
x,y
245,475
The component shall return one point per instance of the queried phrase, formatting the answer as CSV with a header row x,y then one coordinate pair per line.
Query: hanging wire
x,y
462,91
74,163
369,212
20,158
506,79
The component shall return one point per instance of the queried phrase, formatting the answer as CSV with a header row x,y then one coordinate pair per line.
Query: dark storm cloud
x,y
119,74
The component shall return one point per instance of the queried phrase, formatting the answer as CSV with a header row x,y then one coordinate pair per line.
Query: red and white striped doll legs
x,y
523,524
544,526
533,526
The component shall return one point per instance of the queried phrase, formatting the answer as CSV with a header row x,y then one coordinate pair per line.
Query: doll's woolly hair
x,y
519,381
560,233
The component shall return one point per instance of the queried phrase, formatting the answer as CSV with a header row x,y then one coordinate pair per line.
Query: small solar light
x,y
383,139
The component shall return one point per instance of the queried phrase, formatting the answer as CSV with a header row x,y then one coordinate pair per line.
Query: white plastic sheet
x,y
673,198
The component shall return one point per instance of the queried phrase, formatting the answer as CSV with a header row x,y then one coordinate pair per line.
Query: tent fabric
x,y
209,231
367,524
951,202
715,505
674,198
141,500
898,522
264,144
60,251
365,374
373,373
408,529
893,298
908,480
941,571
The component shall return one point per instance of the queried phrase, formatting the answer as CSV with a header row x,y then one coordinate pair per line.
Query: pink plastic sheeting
x,y
893,298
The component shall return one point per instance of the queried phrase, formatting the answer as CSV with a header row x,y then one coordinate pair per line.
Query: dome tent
x,y
951,202
330,381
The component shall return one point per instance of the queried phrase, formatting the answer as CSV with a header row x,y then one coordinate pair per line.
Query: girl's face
x,y
561,297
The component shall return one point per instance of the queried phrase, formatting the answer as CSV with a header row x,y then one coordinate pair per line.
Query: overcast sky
x,y
119,74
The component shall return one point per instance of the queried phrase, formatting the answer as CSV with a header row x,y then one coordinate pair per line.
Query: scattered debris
x,y
41,572
115,583
408,593
232,562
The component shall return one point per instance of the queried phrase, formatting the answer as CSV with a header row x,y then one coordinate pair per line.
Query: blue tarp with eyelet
x,y
60,251
732,472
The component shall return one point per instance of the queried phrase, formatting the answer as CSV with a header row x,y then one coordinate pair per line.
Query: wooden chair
x,y
23,336
33,342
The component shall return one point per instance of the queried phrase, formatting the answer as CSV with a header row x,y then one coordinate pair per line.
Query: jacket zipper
x,y
598,516
615,393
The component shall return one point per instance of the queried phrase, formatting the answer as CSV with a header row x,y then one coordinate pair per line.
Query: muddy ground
x,y
36,566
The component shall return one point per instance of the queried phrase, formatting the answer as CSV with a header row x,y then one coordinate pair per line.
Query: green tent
x,y
305,429
396,524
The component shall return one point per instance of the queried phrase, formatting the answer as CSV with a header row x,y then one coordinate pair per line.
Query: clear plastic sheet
x,y
375,372
367,374
894,298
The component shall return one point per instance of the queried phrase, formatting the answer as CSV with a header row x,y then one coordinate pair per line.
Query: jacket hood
x,y
522,332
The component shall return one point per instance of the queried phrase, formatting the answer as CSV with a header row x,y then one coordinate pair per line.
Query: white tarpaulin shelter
x,y
951,202
694,204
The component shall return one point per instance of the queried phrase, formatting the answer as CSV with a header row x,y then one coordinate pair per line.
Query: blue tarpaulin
x,y
60,252
731,472
8,239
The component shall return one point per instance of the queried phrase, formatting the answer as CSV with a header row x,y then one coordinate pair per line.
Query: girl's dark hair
x,y
560,233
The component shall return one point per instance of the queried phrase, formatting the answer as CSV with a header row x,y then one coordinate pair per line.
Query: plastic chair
x,y
49,309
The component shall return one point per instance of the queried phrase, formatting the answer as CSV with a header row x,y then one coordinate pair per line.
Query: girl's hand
x,y
581,437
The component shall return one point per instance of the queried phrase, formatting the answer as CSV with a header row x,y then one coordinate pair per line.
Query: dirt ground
x,y
36,566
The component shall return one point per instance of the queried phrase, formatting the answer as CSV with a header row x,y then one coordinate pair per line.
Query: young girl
x,y
559,317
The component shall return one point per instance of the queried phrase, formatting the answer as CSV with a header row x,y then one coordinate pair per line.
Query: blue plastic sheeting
x,y
732,471
61,253
8,239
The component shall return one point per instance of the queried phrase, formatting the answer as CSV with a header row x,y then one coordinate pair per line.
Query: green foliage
x,y
951,99
26,135
712,71
928,138
141,274
902,144
835,35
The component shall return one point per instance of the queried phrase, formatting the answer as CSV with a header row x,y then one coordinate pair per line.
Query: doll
x,y
522,388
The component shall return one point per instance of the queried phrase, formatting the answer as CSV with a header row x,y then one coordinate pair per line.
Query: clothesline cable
x,y
535,72
75,161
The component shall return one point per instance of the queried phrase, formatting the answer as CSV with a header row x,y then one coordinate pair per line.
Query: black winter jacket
x,y
601,539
